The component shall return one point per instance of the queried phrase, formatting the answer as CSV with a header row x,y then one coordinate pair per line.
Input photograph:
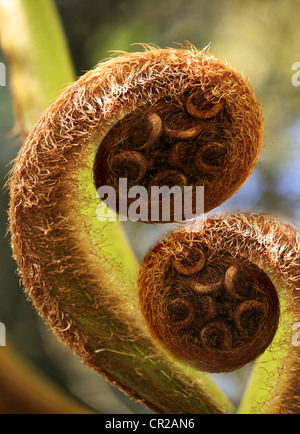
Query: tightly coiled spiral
x,y
210,294
206,307
201,125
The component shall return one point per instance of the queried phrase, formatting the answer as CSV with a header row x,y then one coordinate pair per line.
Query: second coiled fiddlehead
x,y
205,296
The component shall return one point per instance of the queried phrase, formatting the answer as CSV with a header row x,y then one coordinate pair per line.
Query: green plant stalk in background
x,y
40,67
266,367
35,80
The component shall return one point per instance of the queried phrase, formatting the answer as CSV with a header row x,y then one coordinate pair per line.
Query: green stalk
x,y
266,370
40,67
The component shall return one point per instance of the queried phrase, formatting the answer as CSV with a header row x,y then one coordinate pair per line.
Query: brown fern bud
x,y
228,306
183,110
205,305
219,330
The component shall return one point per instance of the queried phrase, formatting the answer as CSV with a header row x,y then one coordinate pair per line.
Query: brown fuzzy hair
x,y
198,123
70,280
76,288
204,295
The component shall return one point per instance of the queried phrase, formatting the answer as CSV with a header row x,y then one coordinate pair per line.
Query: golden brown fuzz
x,y
208,295
207,308
198,124
82,294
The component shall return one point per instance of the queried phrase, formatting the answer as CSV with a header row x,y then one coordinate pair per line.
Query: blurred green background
x,y
260,38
